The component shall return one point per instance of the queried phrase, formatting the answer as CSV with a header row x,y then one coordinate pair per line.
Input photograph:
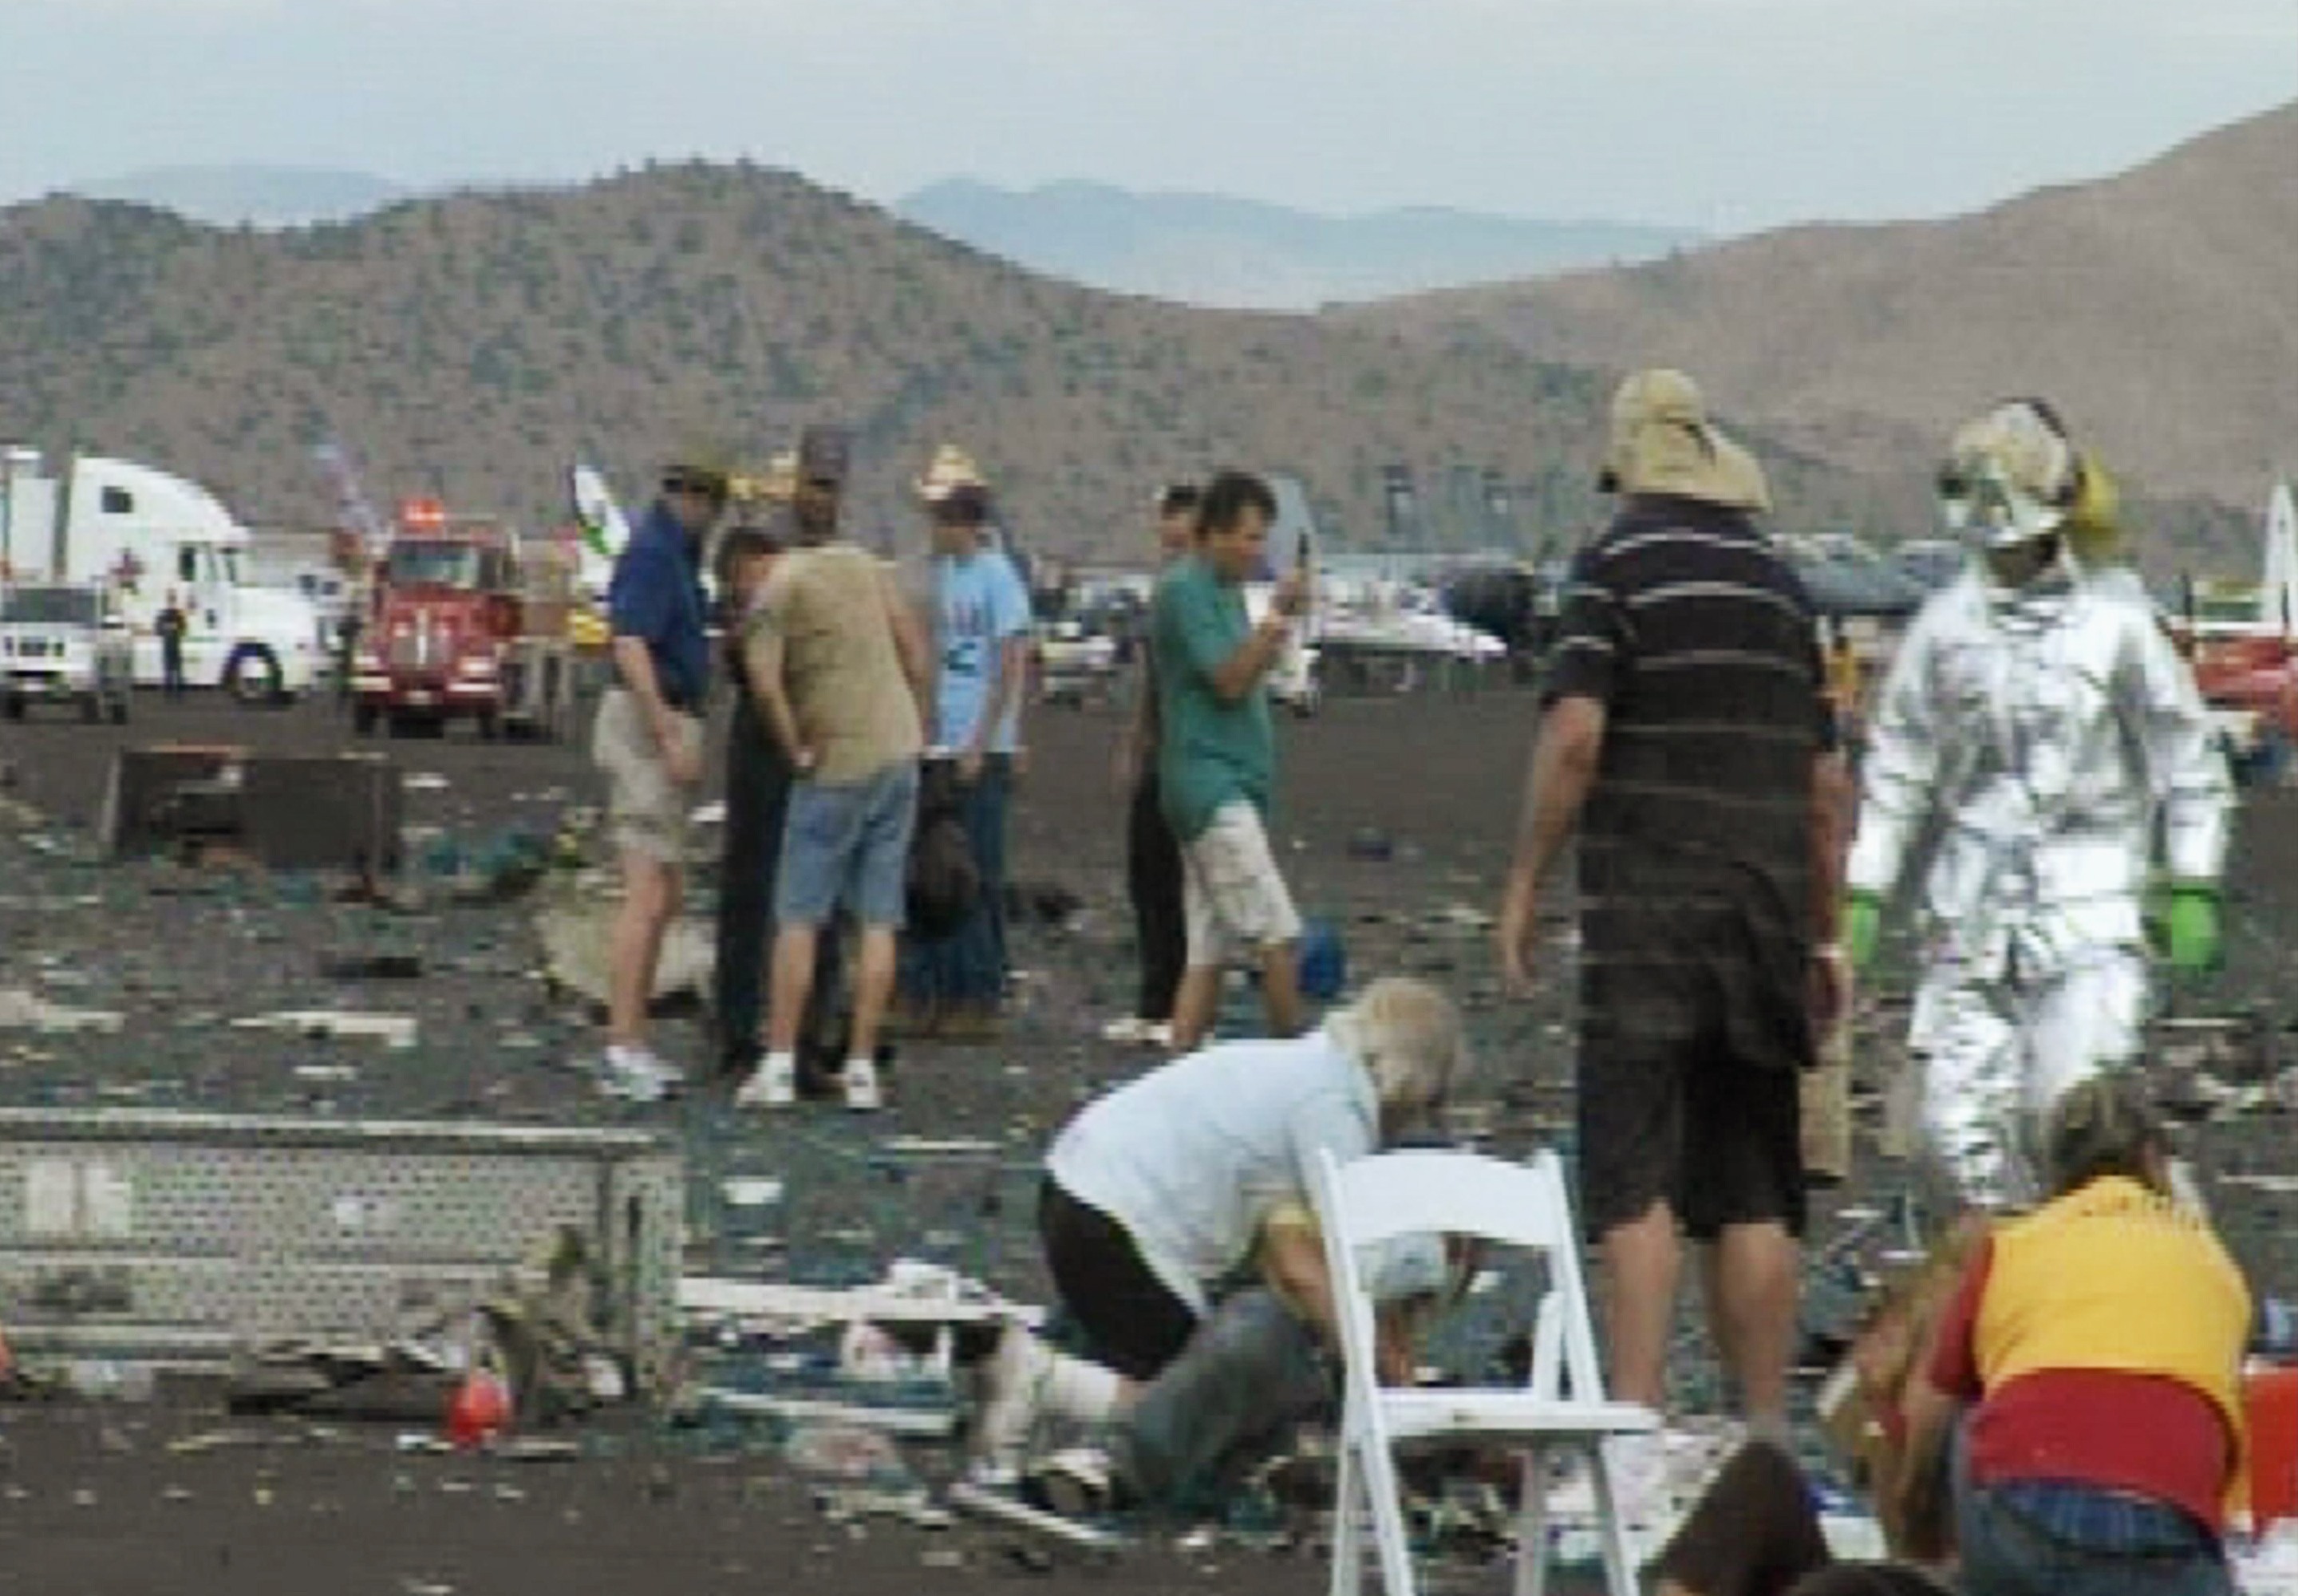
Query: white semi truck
x,y
148,536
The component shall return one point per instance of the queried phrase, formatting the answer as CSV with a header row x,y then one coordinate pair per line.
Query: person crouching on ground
x,y
1216,754
1164,1188
2102,1339
648,740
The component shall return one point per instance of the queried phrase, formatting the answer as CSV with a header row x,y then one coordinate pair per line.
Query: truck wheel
x,y
490,727
12,707
120,710
363,719
251,675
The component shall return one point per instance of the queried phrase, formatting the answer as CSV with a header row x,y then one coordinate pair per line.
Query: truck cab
x,y
448,611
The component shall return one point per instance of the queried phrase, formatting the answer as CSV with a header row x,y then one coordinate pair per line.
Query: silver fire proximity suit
x,y
2034,743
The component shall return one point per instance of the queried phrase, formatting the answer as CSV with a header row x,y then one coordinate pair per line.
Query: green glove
x,y
1863,927
2191,928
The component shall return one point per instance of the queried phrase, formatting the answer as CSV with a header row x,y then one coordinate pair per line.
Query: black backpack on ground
x,y
943,881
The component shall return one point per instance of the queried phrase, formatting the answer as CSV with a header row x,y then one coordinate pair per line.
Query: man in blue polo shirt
x,y
649,741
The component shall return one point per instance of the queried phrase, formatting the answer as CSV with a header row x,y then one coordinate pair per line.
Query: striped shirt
x,y
1695,842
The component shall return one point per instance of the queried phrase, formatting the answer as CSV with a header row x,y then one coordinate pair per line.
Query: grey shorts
x,y
848,842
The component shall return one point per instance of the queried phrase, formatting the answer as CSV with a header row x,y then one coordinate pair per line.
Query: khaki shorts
x,y
646,809
1232,896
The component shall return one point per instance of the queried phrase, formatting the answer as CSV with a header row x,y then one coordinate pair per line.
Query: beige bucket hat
x,y
1662,442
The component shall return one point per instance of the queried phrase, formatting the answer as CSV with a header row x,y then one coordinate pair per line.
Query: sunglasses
x,y
697,486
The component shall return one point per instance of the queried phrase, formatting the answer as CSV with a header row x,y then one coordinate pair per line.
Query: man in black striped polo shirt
x,y
1686,734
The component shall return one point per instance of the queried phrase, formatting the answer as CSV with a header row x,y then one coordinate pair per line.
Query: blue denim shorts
x,y
848,843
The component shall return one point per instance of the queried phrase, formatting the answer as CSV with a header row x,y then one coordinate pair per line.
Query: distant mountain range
x,y
2157,308
472,343
262,196
1196,249
1211,250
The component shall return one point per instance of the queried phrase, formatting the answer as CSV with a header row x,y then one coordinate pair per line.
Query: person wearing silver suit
x,y
2035,736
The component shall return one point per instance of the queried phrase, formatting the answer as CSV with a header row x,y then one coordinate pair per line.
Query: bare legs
x,y
651,892
1195,999
1750,1275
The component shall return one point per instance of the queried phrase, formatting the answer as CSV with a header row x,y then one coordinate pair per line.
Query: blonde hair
x,y
1410,1040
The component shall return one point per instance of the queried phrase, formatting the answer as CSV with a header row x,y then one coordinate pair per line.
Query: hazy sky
x,y
1715,114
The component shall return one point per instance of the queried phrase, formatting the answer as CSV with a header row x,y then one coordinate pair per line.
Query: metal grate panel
x,y
179,1232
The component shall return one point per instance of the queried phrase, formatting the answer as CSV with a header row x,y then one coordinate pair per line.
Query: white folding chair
x,y
1563,1406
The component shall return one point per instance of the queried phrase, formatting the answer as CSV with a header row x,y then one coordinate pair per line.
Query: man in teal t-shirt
x,y
1217,755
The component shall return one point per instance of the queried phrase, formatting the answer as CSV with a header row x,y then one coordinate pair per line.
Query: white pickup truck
x,y
65,643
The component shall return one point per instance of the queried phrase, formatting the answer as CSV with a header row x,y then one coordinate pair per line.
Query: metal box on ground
x,y
146,805
183,1238
323,811
288,811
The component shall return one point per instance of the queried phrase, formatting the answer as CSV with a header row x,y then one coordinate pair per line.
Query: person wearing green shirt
x,y
1216,754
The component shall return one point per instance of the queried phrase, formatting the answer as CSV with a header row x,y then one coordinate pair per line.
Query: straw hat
x,y
951,469
777,484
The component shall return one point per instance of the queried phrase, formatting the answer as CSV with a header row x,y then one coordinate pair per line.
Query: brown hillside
x,y
474,344
2159,308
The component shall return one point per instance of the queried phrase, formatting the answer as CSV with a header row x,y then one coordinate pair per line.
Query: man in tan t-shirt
x,y
839,667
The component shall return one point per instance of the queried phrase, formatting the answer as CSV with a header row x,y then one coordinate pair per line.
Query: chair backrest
x,y
1386,1195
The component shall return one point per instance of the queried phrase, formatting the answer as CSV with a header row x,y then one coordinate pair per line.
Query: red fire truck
x,y
2246,668
463,624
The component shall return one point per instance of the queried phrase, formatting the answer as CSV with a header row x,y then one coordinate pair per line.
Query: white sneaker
x,y
1078,1482
1128,1031
1012,1394
635,1075
773,1084
861,1092
1158,1033
1638,1467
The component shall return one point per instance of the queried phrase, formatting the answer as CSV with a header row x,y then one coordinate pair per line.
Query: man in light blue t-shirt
x,y
955,986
